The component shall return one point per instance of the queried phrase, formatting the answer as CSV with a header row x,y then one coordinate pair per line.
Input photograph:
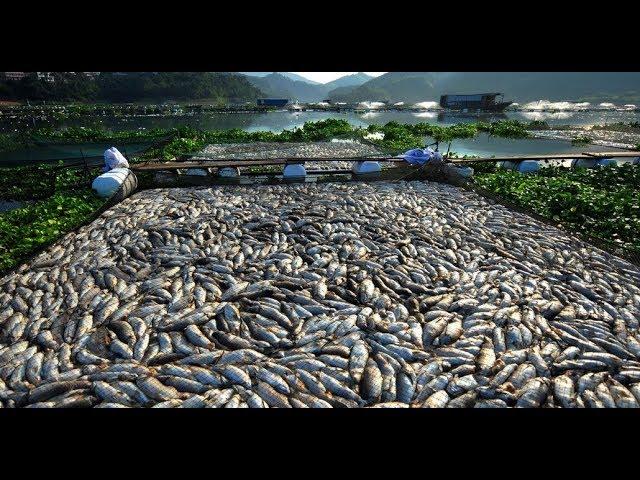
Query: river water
x,y
284,120
482,145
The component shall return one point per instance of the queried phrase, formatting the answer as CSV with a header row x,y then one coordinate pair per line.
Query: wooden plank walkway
x,y
154,165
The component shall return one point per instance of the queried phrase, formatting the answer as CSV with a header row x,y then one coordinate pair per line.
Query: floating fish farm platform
x,y
386,294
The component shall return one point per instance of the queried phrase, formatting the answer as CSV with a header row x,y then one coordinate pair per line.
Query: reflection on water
x,y
547,105
484,145
426,115
547,116
427,105
278,121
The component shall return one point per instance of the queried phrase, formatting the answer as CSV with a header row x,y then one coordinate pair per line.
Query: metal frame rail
x,y
208,162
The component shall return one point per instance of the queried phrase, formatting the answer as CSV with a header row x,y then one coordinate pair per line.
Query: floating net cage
x,y
322,166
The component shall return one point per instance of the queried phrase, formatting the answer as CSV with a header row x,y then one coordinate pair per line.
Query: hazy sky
x,y
324,77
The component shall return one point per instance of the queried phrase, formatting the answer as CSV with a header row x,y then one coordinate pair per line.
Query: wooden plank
x,y
204,164
518,158
382,158
157,165
554,156
149,166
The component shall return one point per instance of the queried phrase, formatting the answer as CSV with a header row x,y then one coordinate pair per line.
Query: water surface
x,y
482,145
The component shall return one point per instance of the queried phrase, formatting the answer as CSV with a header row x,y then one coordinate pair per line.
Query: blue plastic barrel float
x,y
523,166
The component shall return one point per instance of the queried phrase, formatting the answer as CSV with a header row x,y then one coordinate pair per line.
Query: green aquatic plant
x,y
602,203
41,181
619,127
38,224
56,201
505,129
581,140
13,141
98,134
184,140
188,140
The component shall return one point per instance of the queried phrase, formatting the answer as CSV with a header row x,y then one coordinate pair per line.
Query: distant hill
x,y
517,86
286,85
290,75
348,81
281,86
133,86
392,86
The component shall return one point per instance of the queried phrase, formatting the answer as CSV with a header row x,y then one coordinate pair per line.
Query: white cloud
x,y
324,77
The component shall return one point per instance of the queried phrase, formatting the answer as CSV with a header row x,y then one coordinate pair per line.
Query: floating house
x,y
485,102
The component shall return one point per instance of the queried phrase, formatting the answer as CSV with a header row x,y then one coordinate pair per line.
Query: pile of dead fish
x,y
405,294
270,150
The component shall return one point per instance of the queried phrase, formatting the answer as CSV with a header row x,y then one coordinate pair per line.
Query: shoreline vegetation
x,y
600,203
220,87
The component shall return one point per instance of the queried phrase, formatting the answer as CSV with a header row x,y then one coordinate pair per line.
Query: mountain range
x,y
218,87
295,87
292,76
408,87
618,87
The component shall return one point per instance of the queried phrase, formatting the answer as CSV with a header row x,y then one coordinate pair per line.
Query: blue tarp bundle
x,y
420,156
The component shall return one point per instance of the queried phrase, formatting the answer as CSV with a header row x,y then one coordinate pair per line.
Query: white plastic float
x,y
229,172
294,171
109,183
366,168
117,177
114,159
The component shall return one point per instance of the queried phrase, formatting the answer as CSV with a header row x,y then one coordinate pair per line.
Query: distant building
x,y
272,102
15,76
46,76
479,102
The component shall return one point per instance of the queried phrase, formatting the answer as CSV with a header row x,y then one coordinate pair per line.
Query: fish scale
x,y
319,295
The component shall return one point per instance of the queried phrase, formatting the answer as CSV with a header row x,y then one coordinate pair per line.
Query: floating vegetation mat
x,y
392,294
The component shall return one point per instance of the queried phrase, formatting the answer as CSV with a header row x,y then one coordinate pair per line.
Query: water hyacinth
x,y
601,202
